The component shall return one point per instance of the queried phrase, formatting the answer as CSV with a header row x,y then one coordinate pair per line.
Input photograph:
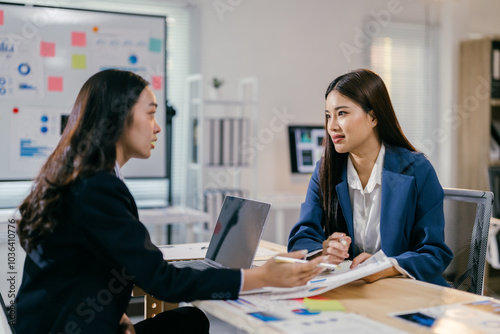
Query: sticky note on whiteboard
x,y
55,84
78,38
79,62
155,45
157,82
1,17
47,49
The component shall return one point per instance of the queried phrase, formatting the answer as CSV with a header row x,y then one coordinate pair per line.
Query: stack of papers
x,y
326,282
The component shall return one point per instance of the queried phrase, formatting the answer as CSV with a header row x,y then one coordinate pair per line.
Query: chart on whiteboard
x,y
39,131
121,49
21,70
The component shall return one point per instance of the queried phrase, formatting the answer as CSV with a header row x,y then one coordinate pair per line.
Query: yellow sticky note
x,y
323,305
79,61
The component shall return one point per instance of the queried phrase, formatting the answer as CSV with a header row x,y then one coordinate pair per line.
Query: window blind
x,y
405,56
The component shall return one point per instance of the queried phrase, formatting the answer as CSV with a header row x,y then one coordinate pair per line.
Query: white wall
x,y
485,17
293,47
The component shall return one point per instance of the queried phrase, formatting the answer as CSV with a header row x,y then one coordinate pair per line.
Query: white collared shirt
x,y
366,205
118,171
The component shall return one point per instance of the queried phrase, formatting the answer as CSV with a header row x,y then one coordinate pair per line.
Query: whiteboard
x,y
46,54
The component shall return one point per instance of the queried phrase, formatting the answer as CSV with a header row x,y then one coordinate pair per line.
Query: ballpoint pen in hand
x,y
294,260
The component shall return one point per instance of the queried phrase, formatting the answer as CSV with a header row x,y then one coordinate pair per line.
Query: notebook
x,y
236,235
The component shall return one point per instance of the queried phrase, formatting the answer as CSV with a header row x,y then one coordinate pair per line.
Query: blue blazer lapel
x,y
345,204
397,193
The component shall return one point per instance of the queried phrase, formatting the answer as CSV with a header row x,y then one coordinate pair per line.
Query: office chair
x,y
467,216
493,253
494,176
5,326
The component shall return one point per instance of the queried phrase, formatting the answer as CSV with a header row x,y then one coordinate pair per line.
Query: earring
x,y
373,123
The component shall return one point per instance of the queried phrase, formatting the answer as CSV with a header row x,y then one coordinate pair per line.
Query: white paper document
x,y
326,282
334,322
291,316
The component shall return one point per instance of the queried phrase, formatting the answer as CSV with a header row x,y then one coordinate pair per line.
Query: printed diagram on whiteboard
x,y
121,49
21,70
38,132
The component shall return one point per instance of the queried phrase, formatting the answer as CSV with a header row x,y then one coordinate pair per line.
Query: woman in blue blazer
x,y
86,247
369,165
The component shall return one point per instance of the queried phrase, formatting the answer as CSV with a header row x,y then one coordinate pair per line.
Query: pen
x,y
294,260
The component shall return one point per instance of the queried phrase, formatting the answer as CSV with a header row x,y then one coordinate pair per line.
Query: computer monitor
x,y
306,147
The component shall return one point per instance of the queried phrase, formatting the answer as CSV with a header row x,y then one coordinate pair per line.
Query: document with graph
x,y
330,280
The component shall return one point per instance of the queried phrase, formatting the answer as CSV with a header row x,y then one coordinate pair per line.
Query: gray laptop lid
x,y
237,232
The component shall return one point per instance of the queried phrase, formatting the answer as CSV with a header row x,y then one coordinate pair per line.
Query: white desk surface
x,y
192,251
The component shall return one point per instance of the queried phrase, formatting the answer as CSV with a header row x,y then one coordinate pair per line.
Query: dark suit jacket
x,y
80,280
411,217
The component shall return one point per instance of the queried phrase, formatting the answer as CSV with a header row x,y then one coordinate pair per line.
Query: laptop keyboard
x,y
195,264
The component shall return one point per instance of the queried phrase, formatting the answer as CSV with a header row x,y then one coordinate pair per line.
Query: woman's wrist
x,y
253,279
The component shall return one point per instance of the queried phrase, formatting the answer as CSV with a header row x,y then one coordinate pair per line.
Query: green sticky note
x,y
323,305
79,62
155,45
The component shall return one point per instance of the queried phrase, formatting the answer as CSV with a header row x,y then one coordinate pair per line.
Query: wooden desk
x,y
375,301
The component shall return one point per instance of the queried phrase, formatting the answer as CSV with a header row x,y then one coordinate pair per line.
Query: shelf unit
x,y
474,114
227,124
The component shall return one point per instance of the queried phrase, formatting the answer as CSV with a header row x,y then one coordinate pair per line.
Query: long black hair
x,y
101,111
366,89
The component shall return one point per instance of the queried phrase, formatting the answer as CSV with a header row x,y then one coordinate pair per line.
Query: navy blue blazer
x,y
80,280
411,218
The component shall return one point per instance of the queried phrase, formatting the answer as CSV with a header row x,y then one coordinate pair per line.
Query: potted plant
x,y
215,85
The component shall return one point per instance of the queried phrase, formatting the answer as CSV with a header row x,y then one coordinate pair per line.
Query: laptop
x,y
236,235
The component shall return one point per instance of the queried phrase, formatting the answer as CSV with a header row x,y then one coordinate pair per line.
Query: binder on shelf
x,y
209,141
495,70
208,158
495,131
216,145
211,207
194,141
243,159
494,150
236,147
495,141
226,142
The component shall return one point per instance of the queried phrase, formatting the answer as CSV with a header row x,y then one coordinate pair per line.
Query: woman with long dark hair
x,y
372,189
86,247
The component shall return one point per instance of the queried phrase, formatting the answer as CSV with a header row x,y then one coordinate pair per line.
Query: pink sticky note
x,y
78,38
157,82
1,17
55,84
47,49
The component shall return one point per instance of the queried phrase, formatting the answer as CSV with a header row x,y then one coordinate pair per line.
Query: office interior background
x,y
294,48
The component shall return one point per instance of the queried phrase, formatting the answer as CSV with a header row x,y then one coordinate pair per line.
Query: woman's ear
x,y
374,119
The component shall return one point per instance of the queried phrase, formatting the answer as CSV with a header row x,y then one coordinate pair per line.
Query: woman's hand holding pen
x,y
337,247
282,274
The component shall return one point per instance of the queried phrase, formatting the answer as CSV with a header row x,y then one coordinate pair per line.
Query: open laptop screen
x,y
237,232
